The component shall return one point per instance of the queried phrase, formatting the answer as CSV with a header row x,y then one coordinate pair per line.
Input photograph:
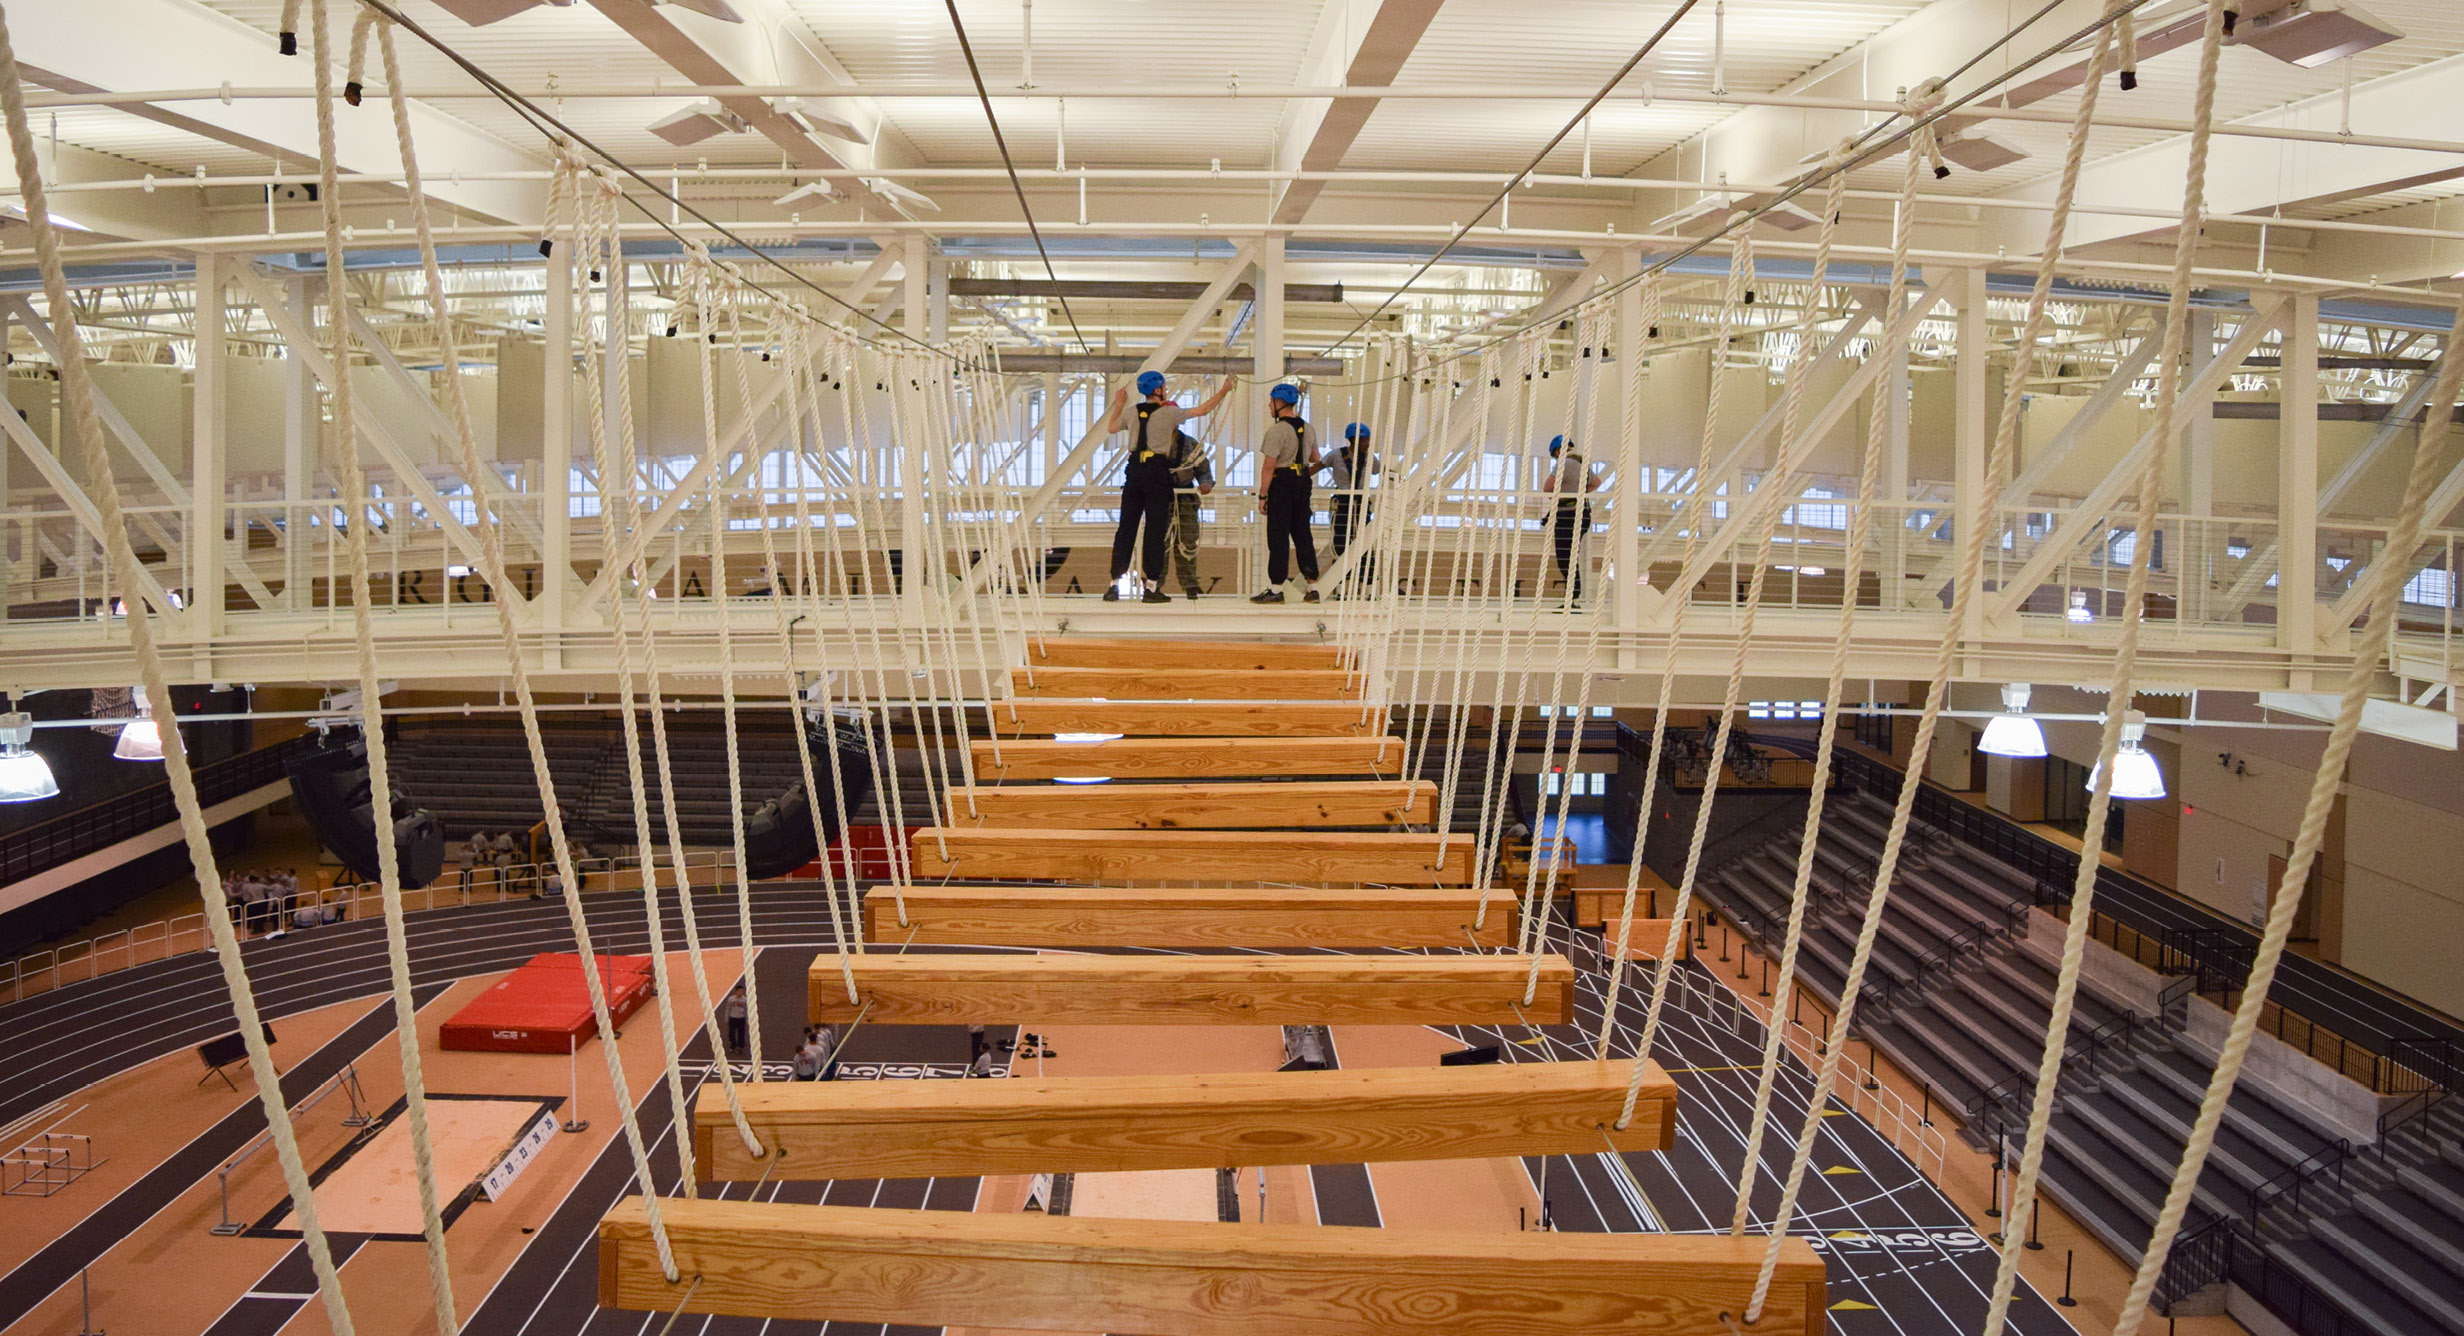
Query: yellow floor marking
x,y
1852,1306
1837,1170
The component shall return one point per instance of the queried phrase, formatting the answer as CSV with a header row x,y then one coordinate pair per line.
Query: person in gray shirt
x,y
1287,456
1148,483
1348,471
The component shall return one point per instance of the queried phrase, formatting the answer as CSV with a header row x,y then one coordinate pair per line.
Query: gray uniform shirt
x,y
1287,441
1340,470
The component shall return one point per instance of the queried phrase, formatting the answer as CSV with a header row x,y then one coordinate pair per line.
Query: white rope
x,y
1740,271
1852,572
85,423
2169,393
355,493
492,569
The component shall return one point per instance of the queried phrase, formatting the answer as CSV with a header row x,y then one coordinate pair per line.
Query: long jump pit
x,y
372,1189
544,1006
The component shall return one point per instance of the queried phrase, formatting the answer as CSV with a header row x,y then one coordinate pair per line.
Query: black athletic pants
x,y
1572,520
1346,512
1287,528
1146,496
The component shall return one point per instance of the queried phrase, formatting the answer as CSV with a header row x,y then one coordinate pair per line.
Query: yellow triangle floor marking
x,y
1852,1306
1836,1170
1834,1113
1847,1234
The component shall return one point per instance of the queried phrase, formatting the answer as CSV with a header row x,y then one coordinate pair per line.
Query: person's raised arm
x,y
1112,417
1213,401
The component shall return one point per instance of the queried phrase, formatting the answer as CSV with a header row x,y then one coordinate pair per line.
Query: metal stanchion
x,y
2035,1209
85,1298
574,1121
2068,1257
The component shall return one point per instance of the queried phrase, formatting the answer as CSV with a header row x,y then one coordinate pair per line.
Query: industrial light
x,y
1082,779
898,195
808,115
717,9
820,192
480,13
2134,771
2311,33
24,775
697,123
2013,733
141,739
1084,737
2079,611
1980,150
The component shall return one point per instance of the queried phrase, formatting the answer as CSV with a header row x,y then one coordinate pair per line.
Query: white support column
x,y
1972,425
554,485
2199,435
2297,483
1052,422
1267,363
299,453
937,299
1627,606
1892,525
206,517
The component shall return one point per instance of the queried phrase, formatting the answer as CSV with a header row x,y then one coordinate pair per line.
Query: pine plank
x,y
1269,917
1202,806
1087,1124
1184,1278
1228,655
1040,716
929,989
1649,940
1186,758
1179,684
1120,857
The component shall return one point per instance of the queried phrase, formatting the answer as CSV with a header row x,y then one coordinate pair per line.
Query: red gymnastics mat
x,y
544,1007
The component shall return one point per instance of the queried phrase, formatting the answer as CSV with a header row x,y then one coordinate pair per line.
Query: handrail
x,y
91,958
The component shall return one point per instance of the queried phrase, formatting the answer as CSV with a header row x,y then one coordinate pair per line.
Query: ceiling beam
x,y
1369,41
2258,176
164,43
764,49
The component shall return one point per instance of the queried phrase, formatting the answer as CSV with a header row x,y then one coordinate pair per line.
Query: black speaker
x,y
330,784
1471,1057
223,1050
779,836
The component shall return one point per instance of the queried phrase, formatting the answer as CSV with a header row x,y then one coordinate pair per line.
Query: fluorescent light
x,y
2311,33
808,114
697,123
2134,771
2014,733
820,192
24,775
1981,150
141,739
2079,607
1084,737
479,13
1082,779
1813,570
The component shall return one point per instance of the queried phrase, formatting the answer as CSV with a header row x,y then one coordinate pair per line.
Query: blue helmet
x,y
1556,443
1285,394
1150,382
1358,431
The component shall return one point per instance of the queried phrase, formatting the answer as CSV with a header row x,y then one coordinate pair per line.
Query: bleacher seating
x,y
2378,1232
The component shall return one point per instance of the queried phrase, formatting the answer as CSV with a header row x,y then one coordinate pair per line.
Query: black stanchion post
x,y
1723,943
2035,1209
1766,978
1872,1082
2068,1256
1994,1211
1928,1117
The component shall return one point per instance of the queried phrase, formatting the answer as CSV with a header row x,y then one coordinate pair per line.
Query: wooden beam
x,y
1650,935
1186,758
1220,655
1597,905
1204,806
1315,719
1089,1124
1120,857
1270,917
1206,684
1189,1278
1191,990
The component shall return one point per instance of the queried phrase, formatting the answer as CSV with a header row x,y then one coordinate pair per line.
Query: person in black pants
x,y
1286,458
1146,487
1571,478
1348,471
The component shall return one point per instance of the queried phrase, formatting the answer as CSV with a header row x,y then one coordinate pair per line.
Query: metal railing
x,y
145,944
93,828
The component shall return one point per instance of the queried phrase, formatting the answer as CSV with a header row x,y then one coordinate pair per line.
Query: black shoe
x,y
1310,597
1190,593
1270,596
1112,593
1155,596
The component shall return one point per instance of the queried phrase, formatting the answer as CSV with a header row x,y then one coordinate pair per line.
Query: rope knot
x,y
1923,139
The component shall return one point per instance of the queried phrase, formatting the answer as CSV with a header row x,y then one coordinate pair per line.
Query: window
x,y
2432,587
1783,709
1599,783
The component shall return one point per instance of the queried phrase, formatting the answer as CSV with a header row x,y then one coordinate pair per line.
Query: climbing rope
x,y
353,480
1852,571
494,572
